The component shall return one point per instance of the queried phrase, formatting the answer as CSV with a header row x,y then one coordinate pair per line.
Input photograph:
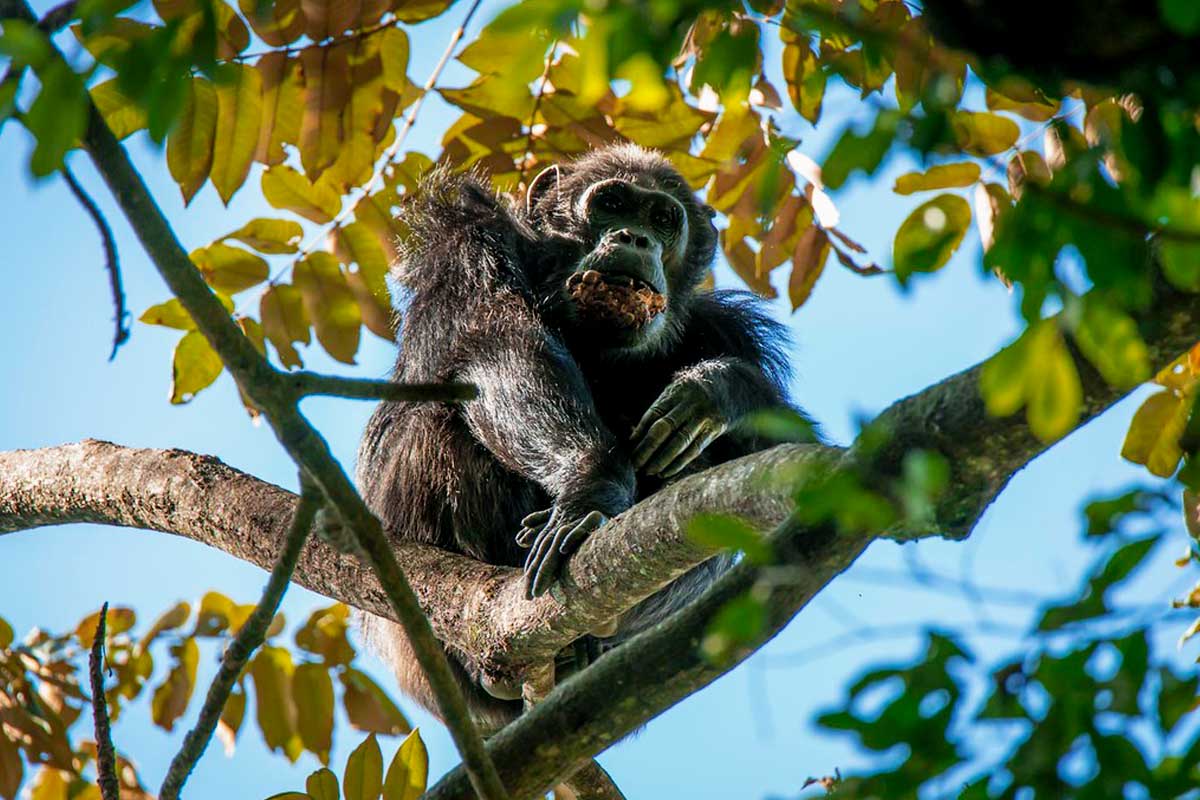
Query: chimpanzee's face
x,y
637,244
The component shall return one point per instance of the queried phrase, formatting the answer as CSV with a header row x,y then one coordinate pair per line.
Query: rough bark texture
x,y
478,607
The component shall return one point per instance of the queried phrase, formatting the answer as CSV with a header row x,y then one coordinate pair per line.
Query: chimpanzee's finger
x,y
679,442
547,569
710,434
657,409
538,518
576,535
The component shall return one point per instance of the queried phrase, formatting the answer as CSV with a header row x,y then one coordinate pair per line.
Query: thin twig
x,y
310,383
106,759
121,334
333,41
537,102
249,637
57,18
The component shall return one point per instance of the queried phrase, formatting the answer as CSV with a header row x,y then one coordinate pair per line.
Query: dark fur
x,y
482,279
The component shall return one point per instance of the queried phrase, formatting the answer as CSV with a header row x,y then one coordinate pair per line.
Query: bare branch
x,y
312,383
121,316
248,639
106,759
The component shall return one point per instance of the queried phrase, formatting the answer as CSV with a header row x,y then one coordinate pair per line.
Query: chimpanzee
x,y
603,373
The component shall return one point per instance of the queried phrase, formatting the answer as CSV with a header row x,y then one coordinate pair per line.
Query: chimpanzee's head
x,y
624,243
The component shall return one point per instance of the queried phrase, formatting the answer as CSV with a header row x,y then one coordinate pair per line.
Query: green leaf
x,y
393,52
943,176
1181,263
780,424
368,708
230,269
194,366
933,231
1176,698
322,785
860,152
284,187
1109,338
806,78
330,304
171,698
239,114
1182,15
408,774
724,531
739,623
270,236
363,778
1053,392
57,118
190,145
312,692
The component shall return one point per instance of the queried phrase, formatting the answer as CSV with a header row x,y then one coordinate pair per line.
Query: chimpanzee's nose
x,y
637,240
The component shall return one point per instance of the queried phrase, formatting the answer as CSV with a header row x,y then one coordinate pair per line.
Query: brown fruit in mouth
x,y
617,299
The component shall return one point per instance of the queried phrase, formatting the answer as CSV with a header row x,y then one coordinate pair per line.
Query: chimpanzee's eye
x,y
664,217
608,199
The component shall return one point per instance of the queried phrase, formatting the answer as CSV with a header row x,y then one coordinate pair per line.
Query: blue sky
x,y
859,345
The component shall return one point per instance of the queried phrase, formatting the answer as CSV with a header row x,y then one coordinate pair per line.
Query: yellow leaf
x,y
277,22
231,720
324,634
408,774
118,620
411,11
240,111
393,49
990,201
377,315
943,176
229,269
284,321
195,366
355,243
322,785
741,258
312,692
270,236
1153,436
1020,97
282,106
808,262
171,698
122,115
169,620
330,304
271,670
190,145
368,707
805,79
214,615
170,314
326,73
284,187
327,18
6,634
983,134
363,778
373,212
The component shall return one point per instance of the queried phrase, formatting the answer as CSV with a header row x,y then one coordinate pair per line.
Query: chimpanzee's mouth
x,y
615,299
615,279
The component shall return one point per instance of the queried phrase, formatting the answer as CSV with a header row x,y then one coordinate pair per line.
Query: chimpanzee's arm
x,y
740,367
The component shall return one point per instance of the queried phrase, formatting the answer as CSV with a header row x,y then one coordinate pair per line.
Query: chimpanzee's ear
x,y
546,181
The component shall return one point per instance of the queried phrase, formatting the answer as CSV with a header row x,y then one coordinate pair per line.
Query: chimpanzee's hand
x,y
554,533
679,425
